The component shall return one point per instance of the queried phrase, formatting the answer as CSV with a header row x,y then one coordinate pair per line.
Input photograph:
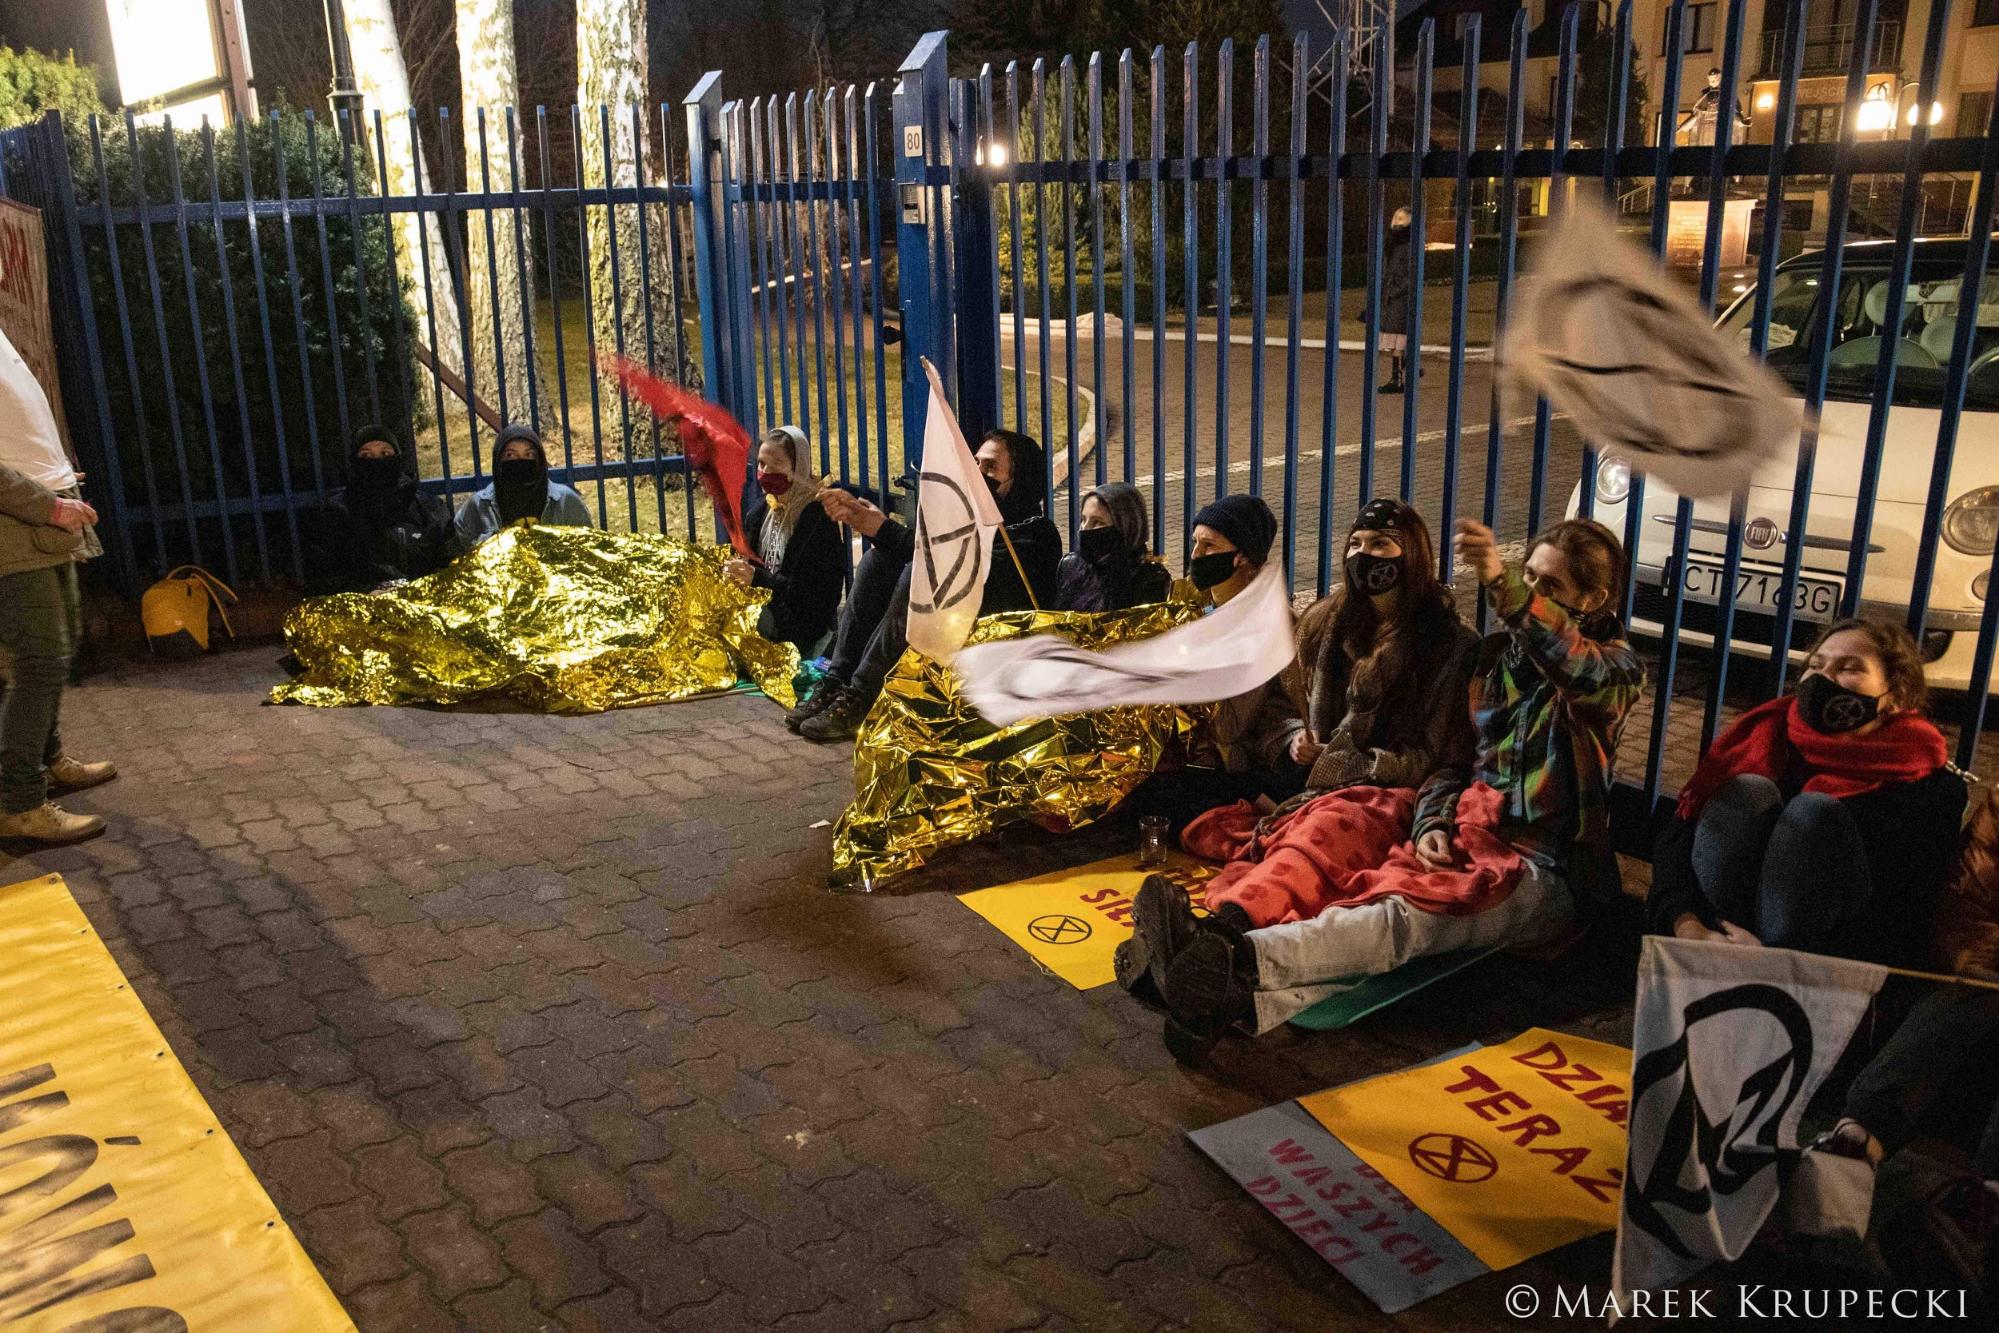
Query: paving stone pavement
x,y
534,1022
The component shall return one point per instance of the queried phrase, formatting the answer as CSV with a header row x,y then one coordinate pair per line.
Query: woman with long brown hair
x,y
1386,707
1510,848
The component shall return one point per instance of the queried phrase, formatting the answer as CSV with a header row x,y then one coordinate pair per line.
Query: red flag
x,y
715,444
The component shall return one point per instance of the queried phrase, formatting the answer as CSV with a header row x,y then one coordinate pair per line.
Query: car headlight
x,y
1613,480
1971,524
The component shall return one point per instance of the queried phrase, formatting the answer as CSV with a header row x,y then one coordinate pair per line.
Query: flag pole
x,y
1019,568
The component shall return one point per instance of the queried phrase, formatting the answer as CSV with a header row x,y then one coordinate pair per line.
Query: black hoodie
x,y
376,528
1036,540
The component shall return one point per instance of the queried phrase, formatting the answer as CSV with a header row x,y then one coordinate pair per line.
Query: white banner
x,y
1234,648
1623,348
1729,1043
956,517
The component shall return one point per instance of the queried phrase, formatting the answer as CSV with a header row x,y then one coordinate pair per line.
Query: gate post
x,y
705,174
977,264
922,142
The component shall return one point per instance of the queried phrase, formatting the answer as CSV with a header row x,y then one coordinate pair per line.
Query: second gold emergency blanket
x,y
562,619
930,773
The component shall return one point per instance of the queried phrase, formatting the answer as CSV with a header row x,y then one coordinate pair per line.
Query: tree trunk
x,y
611,72
503,372
385,87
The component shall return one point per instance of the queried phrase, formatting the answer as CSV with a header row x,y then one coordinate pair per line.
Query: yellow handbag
x,y
175,611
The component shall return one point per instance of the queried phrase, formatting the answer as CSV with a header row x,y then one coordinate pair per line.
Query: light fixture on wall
x,y
1877,111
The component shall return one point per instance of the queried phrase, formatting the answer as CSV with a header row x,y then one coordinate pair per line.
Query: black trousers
x,y
1942,1065
874,624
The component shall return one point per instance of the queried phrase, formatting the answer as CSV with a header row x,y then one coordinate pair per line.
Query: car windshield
x,y
1930,309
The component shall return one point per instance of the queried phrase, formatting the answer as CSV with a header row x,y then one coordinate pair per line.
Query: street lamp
x,y
346,94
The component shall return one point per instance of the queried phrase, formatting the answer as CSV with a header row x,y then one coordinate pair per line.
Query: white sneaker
x,y
49,823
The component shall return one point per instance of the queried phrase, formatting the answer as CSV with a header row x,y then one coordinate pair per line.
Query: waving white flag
x,y
1624,349
1235,648
956,517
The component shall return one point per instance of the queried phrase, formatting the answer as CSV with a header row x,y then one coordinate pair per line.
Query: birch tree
x,y
495,267
611,72
385,87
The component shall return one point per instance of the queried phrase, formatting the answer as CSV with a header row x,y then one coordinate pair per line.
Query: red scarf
x,y
1766,739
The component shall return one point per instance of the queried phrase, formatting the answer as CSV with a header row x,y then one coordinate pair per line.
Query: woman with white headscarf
x,y
799,544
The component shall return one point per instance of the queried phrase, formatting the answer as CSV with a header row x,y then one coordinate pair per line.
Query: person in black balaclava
x,y
1111,568
520,488
1016,469
380,527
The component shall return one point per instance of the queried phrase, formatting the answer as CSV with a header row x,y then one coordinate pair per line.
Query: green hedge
x,y
216,460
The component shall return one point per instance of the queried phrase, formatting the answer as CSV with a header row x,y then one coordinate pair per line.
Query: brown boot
x,y
67,774
51,825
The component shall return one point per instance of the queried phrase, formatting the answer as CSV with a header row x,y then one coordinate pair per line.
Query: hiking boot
x,y
839,720
1191,1044
1212,982
813,704
1162,923
50,825
1393,386
67,774
1942,1240
1131,964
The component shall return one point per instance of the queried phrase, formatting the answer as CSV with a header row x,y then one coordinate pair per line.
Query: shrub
x,y
232,433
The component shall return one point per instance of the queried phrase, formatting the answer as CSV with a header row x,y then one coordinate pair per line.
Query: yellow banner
x,y
1514,1149
1073,920
123,1204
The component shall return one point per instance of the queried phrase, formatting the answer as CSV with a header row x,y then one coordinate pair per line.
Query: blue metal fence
x,y
1151,213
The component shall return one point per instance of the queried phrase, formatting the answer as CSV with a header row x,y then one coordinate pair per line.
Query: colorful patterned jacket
x,y
1549,701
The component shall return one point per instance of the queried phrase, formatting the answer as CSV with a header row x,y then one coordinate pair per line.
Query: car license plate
x,y
1762,590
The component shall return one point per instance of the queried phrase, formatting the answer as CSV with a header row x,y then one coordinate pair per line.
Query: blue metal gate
x,y
1169,266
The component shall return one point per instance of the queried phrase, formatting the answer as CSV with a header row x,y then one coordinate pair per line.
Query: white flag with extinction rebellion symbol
x,y
956,517
1729,1046
1623,348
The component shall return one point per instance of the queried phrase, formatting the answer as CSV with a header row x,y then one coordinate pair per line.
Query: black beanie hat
x,y
1244,520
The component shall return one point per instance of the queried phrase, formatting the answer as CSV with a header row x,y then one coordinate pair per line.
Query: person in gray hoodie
x,y
520,488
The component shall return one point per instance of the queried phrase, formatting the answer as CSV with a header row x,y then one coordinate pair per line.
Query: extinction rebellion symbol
x,y
1058,928
1449,1157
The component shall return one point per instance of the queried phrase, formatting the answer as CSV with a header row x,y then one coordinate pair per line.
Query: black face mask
x,y
1097,544
1829,707
1374,574
992,484
1211,570
374,474
520,487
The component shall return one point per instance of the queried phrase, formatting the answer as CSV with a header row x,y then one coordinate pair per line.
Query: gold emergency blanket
x,y
930,773
561,619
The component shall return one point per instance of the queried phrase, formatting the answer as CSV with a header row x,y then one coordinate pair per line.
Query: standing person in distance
x,y
1393,327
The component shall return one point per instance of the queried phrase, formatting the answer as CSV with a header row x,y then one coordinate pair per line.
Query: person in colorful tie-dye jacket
x,y
1510,851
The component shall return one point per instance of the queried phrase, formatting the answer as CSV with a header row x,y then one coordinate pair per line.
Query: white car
x,y
1971,517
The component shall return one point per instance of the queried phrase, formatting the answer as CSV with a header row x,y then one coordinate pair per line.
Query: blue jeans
x,y
1790,872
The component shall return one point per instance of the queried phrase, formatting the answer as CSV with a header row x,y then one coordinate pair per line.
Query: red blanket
x,y
1350,847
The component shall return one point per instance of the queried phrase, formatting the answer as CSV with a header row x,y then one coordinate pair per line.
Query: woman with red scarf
x,y
1825,821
